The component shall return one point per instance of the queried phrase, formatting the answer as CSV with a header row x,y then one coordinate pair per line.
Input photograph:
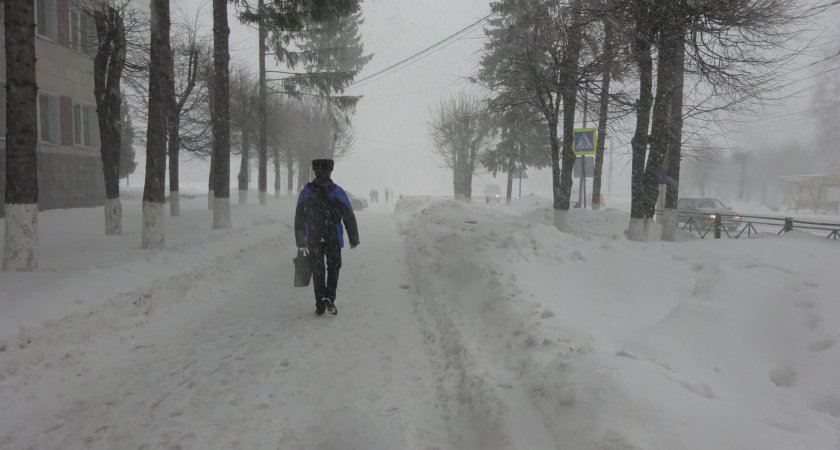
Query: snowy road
x,y
460,327
231,357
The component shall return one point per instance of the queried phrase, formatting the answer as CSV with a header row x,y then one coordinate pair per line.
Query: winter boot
x,y
330,306
320,307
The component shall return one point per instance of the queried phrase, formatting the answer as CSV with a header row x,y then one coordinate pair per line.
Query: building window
x,y
49,119
45,19
82,32
85,126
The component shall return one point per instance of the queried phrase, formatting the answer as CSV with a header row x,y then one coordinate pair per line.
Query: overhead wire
x,y
443,43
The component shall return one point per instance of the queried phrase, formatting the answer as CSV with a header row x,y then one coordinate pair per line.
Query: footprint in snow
x,y
701,389
805,304
783,376
820,346
827,404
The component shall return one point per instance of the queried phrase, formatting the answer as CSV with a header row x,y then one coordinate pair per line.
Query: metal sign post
x,y
585,143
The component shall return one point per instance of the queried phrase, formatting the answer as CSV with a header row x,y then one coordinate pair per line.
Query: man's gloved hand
x,y
303,250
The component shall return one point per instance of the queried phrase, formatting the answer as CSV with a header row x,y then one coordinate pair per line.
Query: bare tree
x,y
641,15
460,129
607,59
190,53
108,64
112,33
732,47
21,198
160,89
243,118
221,116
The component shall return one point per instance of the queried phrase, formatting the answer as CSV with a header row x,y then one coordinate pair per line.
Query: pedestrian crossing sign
x,y
585,141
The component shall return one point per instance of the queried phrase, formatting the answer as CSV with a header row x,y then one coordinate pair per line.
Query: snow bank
x,y
620,345
80,266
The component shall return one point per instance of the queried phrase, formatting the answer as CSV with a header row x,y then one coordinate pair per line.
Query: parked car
x,y
356,202
704,211
492,192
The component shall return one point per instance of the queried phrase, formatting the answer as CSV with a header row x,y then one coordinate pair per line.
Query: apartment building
x,y
69,163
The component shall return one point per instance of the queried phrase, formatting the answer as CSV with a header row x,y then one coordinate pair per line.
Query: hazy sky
x,y
393,148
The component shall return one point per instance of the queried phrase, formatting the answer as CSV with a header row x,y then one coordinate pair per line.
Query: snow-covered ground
x,y
460,327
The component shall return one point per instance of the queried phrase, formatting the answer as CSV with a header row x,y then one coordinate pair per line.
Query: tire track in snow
x,y
231,357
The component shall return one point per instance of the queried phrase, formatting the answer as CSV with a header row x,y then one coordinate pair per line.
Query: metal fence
x,y
732,226
495,200
736,226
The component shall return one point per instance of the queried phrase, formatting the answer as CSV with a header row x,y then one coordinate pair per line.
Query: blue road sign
x,y
586,139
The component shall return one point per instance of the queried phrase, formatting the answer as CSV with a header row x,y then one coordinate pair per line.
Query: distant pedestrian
x,y
387,195
322,207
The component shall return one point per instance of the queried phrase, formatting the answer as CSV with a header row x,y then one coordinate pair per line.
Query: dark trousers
x,y
326,263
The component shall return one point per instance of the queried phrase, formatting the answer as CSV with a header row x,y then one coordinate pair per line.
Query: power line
x,y
425,52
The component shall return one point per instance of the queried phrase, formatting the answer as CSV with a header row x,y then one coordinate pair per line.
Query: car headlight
x,y
712,216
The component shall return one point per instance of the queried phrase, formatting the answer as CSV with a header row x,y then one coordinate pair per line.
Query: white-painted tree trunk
x,y
210,197
669,225
263,198
21,250
174,203
113,216
153,221
637,230
243,197
561,219
221,214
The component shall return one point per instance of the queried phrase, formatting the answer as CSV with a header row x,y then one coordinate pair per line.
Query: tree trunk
x,y
221,119
211,179
673,158
569,79
21,202
603,113
568,157
290,171
244,168
174,129
276,173
304,169
174,153
262,115
108,65
154,195
554,140
509,189
639,142
469,169
669,65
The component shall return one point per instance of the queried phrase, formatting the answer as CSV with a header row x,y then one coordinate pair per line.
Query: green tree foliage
x,y
522,143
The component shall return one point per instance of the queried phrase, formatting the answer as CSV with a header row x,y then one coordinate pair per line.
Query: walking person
x,y
322,207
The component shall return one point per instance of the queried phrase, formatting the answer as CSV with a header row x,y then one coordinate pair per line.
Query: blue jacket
x,y
321,208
